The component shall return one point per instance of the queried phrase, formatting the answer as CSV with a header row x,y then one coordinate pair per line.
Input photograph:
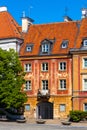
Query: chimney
x,y
84,13
26,22
3,9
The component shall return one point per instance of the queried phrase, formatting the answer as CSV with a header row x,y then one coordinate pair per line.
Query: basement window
x,y
27,107
62,107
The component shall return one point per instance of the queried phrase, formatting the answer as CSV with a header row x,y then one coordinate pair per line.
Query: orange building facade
x,y
79,67
54,59
50,94
79,97
47,62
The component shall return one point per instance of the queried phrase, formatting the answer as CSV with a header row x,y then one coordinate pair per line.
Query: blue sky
x,y
45,11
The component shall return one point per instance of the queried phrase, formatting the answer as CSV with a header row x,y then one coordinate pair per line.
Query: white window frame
x,y
85,84
28,85
84,65
44,66
62,84
85,106
62,107
28,67
62,66
45,48
44,84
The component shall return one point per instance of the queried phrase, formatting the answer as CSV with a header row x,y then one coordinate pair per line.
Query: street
x,y
27,126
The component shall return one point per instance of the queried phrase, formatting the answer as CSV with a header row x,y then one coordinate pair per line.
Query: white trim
x,y
11,40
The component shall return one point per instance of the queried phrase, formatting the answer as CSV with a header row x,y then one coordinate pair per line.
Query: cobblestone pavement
x,y
58,122
49,125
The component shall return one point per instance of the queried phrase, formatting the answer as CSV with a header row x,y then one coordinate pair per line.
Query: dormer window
x,y
29,47
64,44
45,48
85,43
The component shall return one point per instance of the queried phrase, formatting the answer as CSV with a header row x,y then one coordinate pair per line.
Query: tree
x,y
11,80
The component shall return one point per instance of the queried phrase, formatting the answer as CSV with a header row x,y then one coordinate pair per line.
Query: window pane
x,y
45,48
85,63
62,66
63,84
85,84
27,107
28,49
27,67
85,107
28,85
45,84
44,66
85,43
65,43
62,107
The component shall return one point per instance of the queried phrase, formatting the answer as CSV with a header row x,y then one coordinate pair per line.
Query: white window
x,y
62,84
62,66
85,106
28,48
44,67
85,43
84,62
27,107
85,84
62,108
44,84
45,48
27,67
28,85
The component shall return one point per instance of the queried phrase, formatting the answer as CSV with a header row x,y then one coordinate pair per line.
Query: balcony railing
x,y
43,93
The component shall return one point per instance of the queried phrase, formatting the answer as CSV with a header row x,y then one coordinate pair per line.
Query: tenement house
x,y
54,58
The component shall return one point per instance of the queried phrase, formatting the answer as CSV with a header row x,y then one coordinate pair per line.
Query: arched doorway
x,y
45,110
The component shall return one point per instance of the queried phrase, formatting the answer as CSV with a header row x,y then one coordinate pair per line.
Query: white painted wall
x,y
7,44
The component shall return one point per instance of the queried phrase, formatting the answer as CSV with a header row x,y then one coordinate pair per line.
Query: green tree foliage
x,y
11,80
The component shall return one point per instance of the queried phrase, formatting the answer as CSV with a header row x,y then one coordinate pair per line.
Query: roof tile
x,y
60,31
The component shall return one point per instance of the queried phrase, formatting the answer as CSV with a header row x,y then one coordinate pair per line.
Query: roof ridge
x,y
57,23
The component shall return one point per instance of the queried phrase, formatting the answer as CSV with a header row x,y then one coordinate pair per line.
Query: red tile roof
x,y
8,26
59,31
82,32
